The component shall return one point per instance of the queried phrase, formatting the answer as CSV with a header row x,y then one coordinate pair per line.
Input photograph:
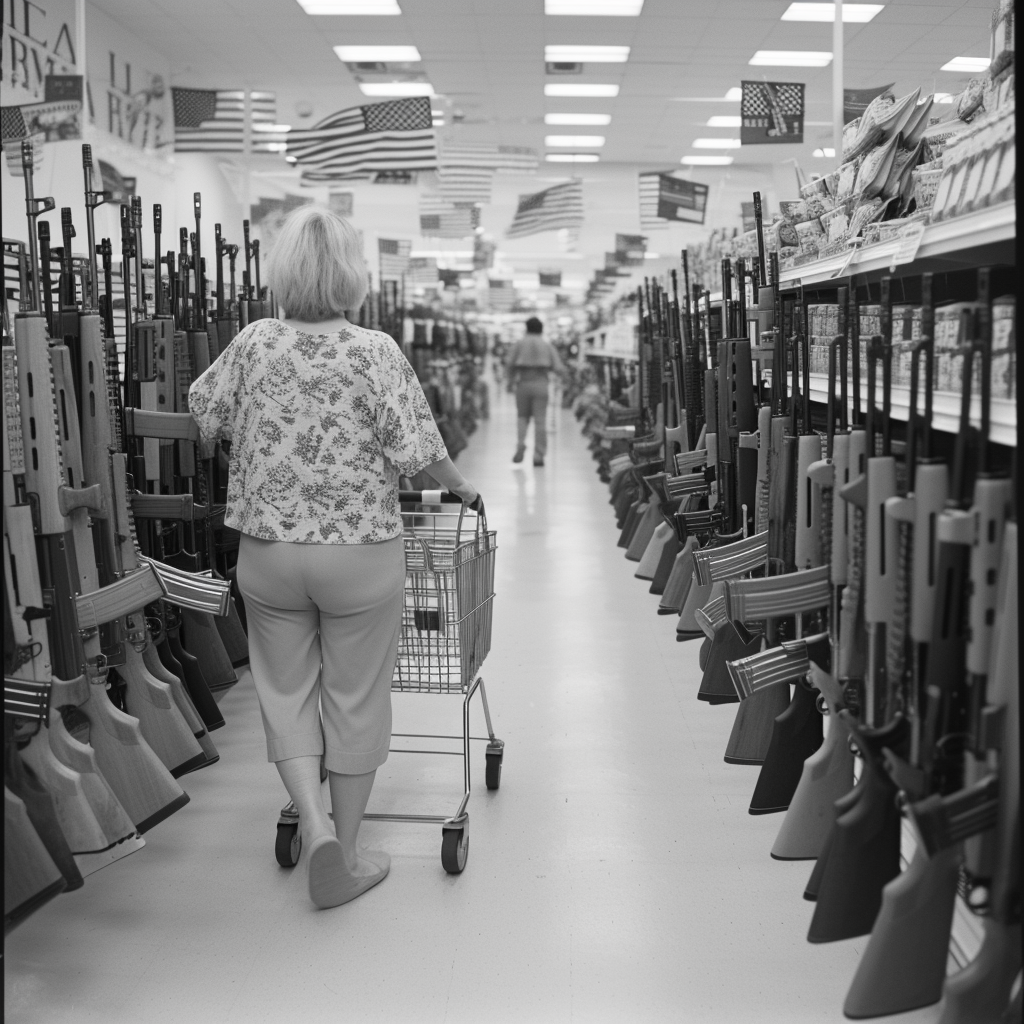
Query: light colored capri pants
x,y
324,621
532,403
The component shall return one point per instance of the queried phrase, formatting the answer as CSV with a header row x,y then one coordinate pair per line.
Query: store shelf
x,y
972,232
945,409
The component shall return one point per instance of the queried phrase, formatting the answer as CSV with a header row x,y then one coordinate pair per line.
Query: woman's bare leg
x,y
349,796
301,777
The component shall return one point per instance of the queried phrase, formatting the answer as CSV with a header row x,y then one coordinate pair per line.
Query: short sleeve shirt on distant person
x,y
321,426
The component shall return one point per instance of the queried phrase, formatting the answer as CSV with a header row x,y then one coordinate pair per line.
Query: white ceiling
x,y
486,58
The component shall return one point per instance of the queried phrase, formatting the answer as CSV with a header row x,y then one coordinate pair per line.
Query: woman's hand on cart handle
x,y
447,475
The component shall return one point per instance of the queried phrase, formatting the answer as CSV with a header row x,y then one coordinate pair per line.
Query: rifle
x,y
980,993
828,773
54,473
917,908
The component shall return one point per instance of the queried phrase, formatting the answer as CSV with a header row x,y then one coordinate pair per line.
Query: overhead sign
x,y
771,112
550,279
681,200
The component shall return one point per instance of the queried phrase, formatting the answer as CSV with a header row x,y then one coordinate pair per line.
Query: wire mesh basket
x,y
449,595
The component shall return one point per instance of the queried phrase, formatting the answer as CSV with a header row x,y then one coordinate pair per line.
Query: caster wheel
x,y
288,845
492,773
454,849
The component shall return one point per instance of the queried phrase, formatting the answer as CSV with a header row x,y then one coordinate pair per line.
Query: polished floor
x,y
615,877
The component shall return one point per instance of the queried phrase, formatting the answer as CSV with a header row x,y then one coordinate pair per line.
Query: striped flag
x,y
360,141
466,171
500,296
213,120
560,206
422,272
394,257
442,219
649,189
459,184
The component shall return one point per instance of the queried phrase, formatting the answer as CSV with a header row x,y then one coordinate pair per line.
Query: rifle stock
x,y
31,878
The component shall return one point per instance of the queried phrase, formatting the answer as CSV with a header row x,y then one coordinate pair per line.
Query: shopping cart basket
x,y
445,636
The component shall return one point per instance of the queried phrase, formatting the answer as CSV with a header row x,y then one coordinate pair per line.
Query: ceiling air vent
x,y
562,67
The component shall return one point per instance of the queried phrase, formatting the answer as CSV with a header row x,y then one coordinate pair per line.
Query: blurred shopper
x,y
322,417
531,362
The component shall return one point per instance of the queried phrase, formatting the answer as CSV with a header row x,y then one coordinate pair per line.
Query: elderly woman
x,y
322,417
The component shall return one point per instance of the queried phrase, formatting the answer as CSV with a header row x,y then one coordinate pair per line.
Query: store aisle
x,y
615,877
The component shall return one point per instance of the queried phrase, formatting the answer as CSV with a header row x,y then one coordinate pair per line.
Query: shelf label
x,y
908,244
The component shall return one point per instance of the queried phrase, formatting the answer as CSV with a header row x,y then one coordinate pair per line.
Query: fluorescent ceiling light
x,y
828,151
277,147
716,143
827,12
587,54
967,65
595,8
350,6
574,140
724,121
276,128
707,161
582,119
735,94
356,54
591,91
396,88
572,158
437,122
944,97
792,58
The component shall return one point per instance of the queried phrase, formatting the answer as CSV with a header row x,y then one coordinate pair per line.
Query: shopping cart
x,y
445,636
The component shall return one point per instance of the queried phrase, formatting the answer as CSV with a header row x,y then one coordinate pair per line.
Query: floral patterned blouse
x,y
321,426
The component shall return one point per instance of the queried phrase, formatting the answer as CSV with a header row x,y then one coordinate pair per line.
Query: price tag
x,y
909,243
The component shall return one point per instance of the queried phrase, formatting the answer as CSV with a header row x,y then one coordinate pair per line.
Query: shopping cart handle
x,y
429,498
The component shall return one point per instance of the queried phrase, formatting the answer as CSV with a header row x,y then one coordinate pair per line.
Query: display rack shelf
x,y
945,409
969,235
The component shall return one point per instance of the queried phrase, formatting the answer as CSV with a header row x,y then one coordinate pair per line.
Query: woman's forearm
x,y
448,476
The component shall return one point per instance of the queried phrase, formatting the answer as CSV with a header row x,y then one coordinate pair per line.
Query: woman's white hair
x,y
316,267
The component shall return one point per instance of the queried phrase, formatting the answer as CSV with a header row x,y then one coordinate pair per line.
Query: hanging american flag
x,y
649,189
441,219
422,272
360,141
394,257
213,120
560,206
501,296
466,171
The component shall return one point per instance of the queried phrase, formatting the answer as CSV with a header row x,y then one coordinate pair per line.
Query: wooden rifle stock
x,y
31,878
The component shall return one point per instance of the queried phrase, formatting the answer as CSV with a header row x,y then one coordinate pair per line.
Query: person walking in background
x,y
322,417
531,362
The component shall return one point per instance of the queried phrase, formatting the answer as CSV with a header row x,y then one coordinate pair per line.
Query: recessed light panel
x,y
392,89
967,65
828,151
792,58
827,12
572,158
592,120
735,93
364,7
394,54
707,161
595,8
586,54
574,140
716,143
724,121
581,91
275,129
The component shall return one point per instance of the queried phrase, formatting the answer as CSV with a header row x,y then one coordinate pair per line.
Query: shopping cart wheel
x,y
454,849
492,773
288,845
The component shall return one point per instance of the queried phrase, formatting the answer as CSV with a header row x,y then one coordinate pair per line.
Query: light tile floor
x,y
615,877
